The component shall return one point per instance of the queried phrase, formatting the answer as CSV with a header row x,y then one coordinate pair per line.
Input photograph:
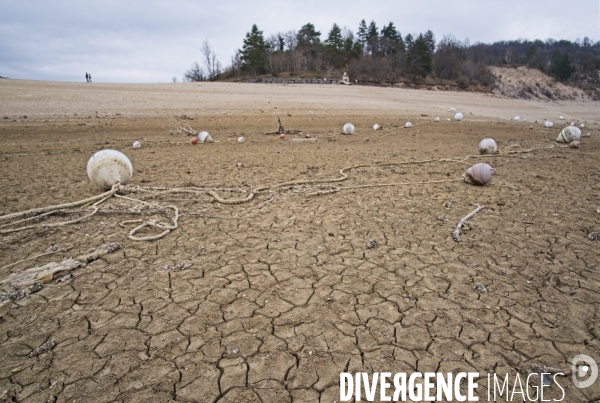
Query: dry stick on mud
x,y
183,129
456,232
281,129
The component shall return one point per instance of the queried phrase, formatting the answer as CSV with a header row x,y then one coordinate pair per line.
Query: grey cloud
x,y
152,41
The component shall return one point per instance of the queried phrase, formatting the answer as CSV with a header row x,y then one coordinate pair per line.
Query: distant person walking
x,y
87,77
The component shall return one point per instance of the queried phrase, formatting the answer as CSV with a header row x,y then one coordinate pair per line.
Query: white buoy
x,y
582,125
487,146
241,139
408,124
437,119
548,123
458,116
204,137
137,144
561,118
569,134
375,126
348,128
107,167
517,119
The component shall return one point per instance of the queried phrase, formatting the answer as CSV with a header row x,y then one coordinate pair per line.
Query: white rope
x,y
119,191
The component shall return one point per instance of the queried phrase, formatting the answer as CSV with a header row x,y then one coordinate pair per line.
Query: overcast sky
x,y
152,41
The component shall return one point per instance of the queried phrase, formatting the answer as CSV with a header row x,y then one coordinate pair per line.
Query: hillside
x,y
526,83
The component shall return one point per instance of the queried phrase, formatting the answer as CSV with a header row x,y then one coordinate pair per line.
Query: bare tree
x,y
236,61
195,73
210,60
294,54
448,58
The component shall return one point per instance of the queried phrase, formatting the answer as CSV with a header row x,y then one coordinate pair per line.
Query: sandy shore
x,y
38,98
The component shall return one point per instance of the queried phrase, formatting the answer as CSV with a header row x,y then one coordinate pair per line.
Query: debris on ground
x,y
111,246
182,266
16,294
372,244
479,287
462,222
20,284
47,346
52,248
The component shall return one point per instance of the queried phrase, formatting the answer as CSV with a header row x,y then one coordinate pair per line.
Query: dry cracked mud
x,y
285,292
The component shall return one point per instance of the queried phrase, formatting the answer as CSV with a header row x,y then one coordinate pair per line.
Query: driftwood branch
x,y
183,129
456,232
281,129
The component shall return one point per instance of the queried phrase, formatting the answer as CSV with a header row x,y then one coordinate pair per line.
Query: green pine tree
x,y
334,39
561,66
419,56
362,33
334,46
430,41
308,36
254,52
391,41
373,39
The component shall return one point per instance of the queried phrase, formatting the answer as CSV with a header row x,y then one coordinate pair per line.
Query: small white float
x,y
487,146
204,137
348,128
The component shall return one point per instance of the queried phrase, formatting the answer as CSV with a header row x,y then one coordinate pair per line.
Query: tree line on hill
x,y
384,56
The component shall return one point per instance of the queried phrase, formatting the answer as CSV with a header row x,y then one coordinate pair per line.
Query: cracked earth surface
x,y
283,293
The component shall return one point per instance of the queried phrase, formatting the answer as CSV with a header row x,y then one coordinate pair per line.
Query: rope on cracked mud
x,y
324,186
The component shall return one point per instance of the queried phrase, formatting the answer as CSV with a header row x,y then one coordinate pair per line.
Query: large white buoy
x,y
568,134
107,167
348,128
548,123
408,125
375,126
204,137
517,119
487,146
458,116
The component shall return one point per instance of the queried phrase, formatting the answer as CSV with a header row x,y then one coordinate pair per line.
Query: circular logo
x,y
590,368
